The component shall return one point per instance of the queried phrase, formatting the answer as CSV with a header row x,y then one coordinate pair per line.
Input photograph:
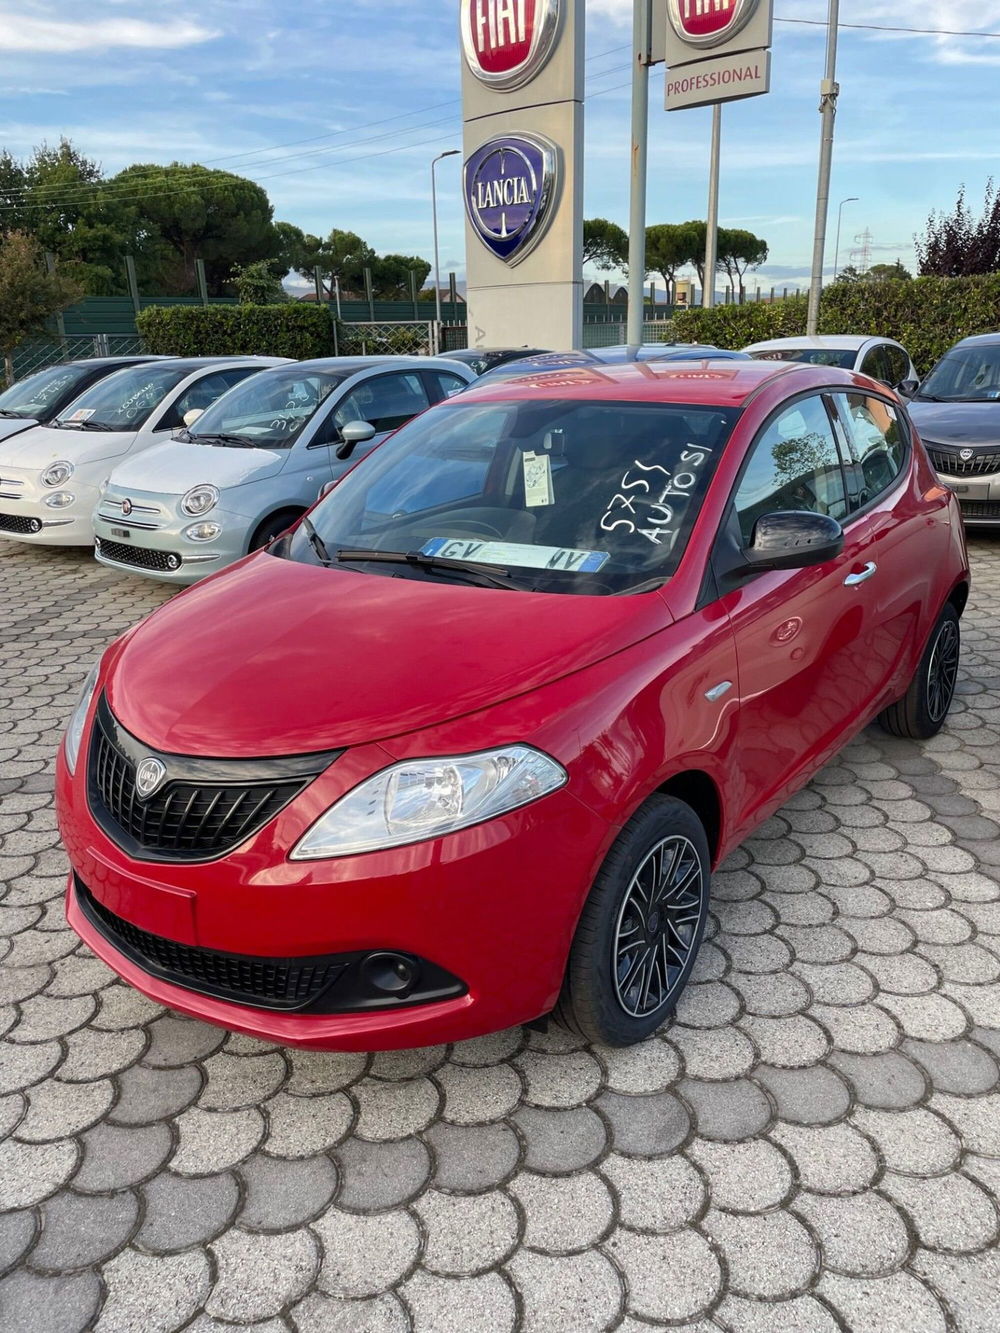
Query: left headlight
x,y
199,500
74,732
57,474
424,798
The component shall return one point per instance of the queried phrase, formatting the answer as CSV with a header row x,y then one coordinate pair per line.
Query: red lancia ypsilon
x,y
462,748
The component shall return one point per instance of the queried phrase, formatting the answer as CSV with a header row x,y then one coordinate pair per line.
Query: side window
x,y
876,443
444,384
202,394
795,464
876,364
899,364
387,401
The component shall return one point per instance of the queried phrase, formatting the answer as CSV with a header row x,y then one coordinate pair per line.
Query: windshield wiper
x,y
16,416
316,541
235,441
491,576
83,425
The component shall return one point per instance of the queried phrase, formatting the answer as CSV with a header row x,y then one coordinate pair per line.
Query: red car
x,y
350,793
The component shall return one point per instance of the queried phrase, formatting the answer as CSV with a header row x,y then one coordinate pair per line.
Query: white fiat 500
x,y
51,476
256,460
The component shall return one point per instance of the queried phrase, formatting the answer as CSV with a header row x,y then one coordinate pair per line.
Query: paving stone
x,y
770,996
210,1141
181,1283
757,953
790,1043
562,1141
468,1158
237,1081
748,1177
259,1275
672,1278
659,1194
969,963
324,1071
949,1212
884,1304
146,1095
713,1004
928,1017
115,1157
645,1125
903,973
17,1231
799,1314
319,1313
714,1053
836,983
92,1054
24,1066
475,1304
302,1126
862,1235
44,1017
829,1159
727,1111
475,1095
960,1066
917,1141
176,1041
80,1231
768,1257
579,1293
815,1096
30,1302
181,1212
364,1256
280,1194
650,1066
864,1029
122,1007
889,1080
489,1050
31,1172
375,1176
568,1079
465,1235
58,1110
394,1110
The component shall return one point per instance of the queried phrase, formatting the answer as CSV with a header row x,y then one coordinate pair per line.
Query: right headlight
x,y
424,798
74,732
199,500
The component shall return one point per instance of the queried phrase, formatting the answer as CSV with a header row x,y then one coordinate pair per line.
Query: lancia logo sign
x,y
126,507
148,776
508,42
966,454
510,186
707,23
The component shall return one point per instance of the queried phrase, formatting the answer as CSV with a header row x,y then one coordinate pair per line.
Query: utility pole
x,y
642,19
712,231
829,90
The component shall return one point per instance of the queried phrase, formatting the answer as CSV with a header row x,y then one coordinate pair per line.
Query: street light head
x,y
452,152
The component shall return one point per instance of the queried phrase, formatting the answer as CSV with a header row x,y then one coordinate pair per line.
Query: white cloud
x,y
19,32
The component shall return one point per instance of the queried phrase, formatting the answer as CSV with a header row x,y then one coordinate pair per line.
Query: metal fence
x,y
409,337
41,352
612,335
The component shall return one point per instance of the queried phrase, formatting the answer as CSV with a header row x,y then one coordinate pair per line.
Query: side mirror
x,y
793,539
353,434
908,388
192,415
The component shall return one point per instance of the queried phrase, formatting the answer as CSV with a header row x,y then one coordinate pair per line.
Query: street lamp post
x,y
852,199
434,209
829,91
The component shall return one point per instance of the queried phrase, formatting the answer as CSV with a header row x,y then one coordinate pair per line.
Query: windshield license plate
x,y
519,555
121,532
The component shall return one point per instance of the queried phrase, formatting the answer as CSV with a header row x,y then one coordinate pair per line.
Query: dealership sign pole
x,y
522,107
829,91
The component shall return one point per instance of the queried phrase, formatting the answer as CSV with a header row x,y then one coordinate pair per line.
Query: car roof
x,y
846,342
979,340
351,365
138,359
720,383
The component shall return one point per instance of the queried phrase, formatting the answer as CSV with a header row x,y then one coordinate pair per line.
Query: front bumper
x,y
494,906
978,495
151,541
25,517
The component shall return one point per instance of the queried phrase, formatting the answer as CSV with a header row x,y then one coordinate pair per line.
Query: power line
x,y
885,27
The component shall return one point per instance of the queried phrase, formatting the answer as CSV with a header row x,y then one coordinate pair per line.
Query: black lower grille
x,y
18,523
980,465
269,983
198,809
979,508
139,556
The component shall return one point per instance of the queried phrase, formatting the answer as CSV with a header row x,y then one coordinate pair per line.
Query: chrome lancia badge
x,y
966,454
510,188
148,776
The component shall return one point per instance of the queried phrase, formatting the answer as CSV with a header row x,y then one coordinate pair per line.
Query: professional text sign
x,y
723,79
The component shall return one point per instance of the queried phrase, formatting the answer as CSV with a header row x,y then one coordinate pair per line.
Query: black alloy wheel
x,y
922,711
942,670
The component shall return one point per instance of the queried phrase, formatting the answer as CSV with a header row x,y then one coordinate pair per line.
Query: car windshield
x,y
36,396
268,411
813,356
124,400
550,495
965,374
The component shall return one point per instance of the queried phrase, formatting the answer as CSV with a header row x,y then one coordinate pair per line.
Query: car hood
x,y
42,445
957,423
10,426
275,657
173,467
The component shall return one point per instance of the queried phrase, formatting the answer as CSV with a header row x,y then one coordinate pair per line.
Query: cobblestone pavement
x,y
813,1145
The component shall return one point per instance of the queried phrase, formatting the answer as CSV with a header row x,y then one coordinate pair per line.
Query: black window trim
x,y
906,431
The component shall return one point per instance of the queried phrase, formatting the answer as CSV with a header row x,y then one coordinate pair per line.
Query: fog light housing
x,y
35,525
390,973
173,562
202,532
59,500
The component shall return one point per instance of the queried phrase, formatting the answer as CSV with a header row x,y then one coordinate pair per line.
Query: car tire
x,y
923,709
273,527
609,993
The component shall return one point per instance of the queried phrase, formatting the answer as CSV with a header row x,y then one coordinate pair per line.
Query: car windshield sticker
x,y
513,553
81,414
649,499
537,480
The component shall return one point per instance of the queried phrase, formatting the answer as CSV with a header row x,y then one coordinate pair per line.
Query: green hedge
x,y
927,315
297,331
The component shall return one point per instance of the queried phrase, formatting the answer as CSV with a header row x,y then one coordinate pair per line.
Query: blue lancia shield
x,y
510,191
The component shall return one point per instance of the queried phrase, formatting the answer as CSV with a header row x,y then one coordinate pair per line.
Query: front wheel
x,y
640,929
272,527
922,711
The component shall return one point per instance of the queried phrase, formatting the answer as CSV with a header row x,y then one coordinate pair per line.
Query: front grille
x,y
139,556
18,523
265,983
979,508
953,466
202,809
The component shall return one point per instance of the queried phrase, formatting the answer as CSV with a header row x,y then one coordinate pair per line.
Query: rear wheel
x,y
273,527
922,711
640,929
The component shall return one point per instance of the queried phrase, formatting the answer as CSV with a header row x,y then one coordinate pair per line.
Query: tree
x,y
391,275
669,246
888,273
256,284
605,245
740,251
29,295
957,245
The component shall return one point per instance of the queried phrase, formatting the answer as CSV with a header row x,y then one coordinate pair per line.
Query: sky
x,y
337,106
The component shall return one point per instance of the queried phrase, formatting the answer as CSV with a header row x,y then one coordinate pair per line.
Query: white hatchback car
x,y
881,358
51,476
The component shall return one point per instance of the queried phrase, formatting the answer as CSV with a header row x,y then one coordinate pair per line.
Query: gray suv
x,y
255,460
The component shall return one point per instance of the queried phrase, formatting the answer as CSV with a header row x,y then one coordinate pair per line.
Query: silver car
x,y
257,459
881,358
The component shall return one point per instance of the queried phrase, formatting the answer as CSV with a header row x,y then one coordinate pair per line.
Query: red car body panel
x,y
274,658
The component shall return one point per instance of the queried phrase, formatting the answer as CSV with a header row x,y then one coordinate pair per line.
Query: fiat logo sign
x,y
709,22
508,42
510,186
